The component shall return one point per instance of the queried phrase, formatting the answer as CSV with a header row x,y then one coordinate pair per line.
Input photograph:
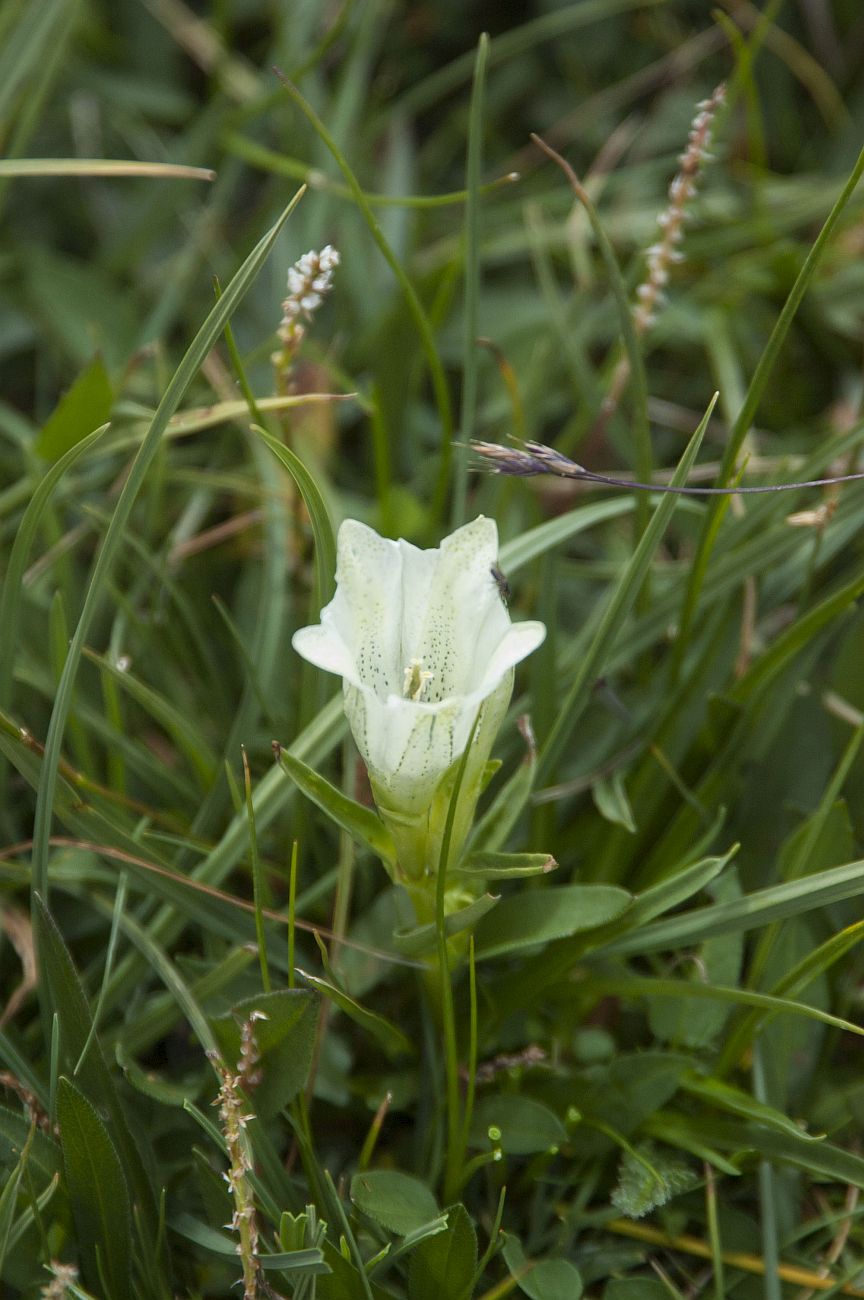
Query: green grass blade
x,y
614,615
473,170
415,307
183,377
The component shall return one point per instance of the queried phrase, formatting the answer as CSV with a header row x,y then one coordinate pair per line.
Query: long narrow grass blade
x,y
468,410
615,613
200,346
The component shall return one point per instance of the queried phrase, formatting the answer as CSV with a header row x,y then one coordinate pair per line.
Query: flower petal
x,y
436,614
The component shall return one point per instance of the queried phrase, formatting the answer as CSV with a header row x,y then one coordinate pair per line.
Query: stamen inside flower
x,y
416,680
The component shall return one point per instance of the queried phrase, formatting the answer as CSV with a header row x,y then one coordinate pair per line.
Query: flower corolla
x,y
426,648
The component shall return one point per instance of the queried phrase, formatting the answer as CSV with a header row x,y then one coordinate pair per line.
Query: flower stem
x,y
453,1165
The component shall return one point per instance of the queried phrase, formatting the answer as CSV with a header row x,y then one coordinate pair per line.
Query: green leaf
x,y
311,1260
16,563
501,866
285,1039
9,1197
542,1279
400,1203
540,915
722,1095
444,1265
491,831
747,913
610,798
82,409
647,1179
361,823
615,613
384,1031
45,1156
625,1093
769,1004
319,515
718,962
98,1193
422,938
67,996
344,1282
526,1126
114,536
676,889
817,1158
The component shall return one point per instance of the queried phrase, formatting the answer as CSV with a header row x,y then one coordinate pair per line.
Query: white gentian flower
x,y
424,644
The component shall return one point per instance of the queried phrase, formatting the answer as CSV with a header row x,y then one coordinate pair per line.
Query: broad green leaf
x,y
542,1279
444,1265
632,1087
521,1126
400,1203
422,938
384,1031
98,1193
501,866
82,409
540,915
361,823
285,1039
29,44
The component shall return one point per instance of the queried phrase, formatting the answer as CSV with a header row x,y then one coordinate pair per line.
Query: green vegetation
x,y
641,1074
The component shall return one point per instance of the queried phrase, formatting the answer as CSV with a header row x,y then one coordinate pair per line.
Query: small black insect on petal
x,y
501,583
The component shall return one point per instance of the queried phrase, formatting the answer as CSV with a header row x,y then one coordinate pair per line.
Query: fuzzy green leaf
x,y
647,1179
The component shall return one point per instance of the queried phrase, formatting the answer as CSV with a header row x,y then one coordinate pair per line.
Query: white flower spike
x,y
423,643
